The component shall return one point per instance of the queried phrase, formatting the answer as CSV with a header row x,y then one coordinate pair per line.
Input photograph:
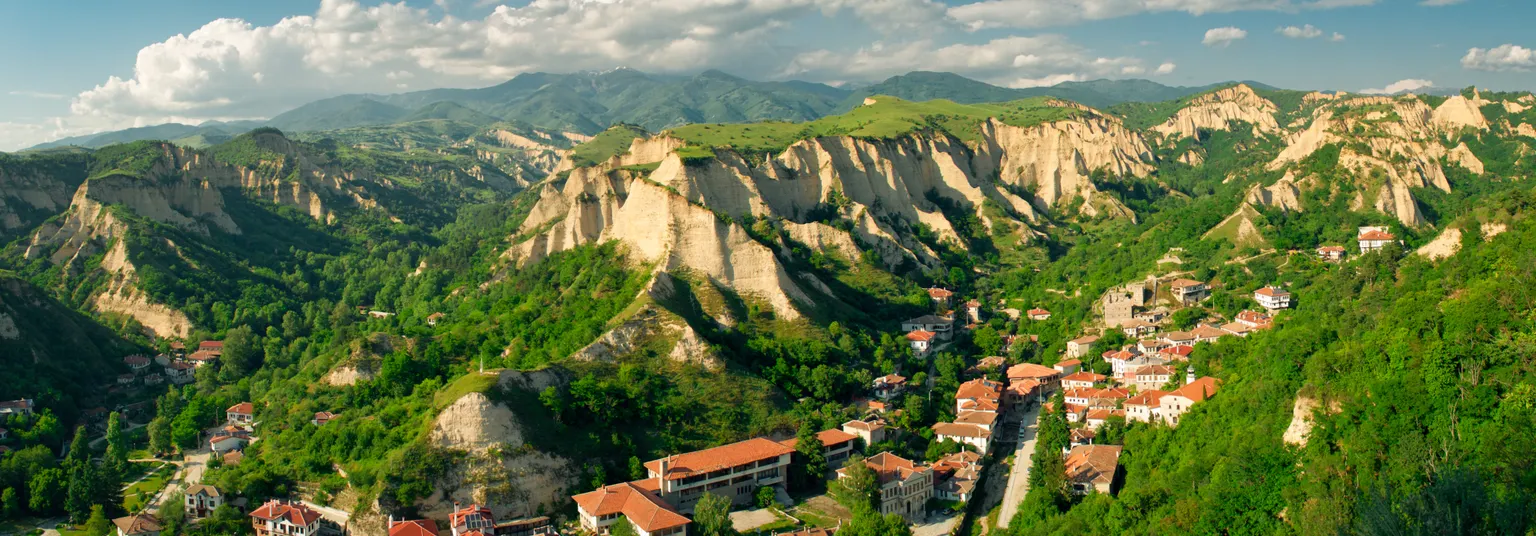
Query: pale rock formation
x,y
499,470
1283,194
670,218
1301,421
26,198
1239,228
1302,144
476,424
1462,156
1218,110
1458,111
1444,245
1515,107
1192,157
1525,129
1493,229
1316,96
690,348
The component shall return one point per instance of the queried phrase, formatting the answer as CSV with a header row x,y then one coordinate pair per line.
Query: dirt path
x,y
191,473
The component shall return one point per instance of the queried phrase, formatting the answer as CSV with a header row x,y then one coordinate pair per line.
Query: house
x,y
202,357
1118,360
1081,346
434,318
836,445
154,379
291,518
981,419
979,394
1137,328
1092,468
1096,418
322,417
472,520
233,457
202,500
136,362
1207,333
1081,436
22,406
1237,328
1175,404
973,310
941,326
940,296
905,487
922,341
870,431
1038,314
888,386
416,527
242,413
138,525
180,372
178,348
1069,366
1272,297
1144,407
1254,319
533,526
1032,371
1082,379
216,347
125,379
989,363
1093,398
1176,338
1151,346
1176,353
636,502
735,471
1330,253
1374,238
955,476
965,434
221,443
1189,291
1152,377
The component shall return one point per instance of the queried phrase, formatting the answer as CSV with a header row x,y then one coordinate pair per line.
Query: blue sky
x,y
75,68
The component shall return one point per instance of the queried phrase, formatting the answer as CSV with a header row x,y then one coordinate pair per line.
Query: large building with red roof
x,y
735,471
905,487
281,518
636,502
1175,404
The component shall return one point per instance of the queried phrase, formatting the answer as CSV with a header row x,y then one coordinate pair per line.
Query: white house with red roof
x,y
871,432
1254,319
1068,366
1330,253
979,394
1038,314
940,296
1145,406
905,487
921,341
836,445
1082,379
1152,377
973,310
1177,403
1272,297
734,471
136,362
1374,238
942,326
637,502
284,518
243,413
414,527
888,386
1188,291
215,347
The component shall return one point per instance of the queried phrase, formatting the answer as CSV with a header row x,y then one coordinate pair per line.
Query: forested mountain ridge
x,y
653,291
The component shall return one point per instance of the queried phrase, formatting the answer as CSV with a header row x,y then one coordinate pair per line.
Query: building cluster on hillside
x,y
928,333
473,520
176,366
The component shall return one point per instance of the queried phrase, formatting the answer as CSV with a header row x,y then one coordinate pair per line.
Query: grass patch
x,y
610,143
887,118
135,496
473,382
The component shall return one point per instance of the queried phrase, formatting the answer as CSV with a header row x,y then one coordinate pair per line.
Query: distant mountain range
x,y
589,102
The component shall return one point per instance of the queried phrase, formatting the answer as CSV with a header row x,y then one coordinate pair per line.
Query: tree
x,y
242,352
636,468
813,460
160,435
712,516
867,521
765,496
622,527
79,451
173,513
553,400
79,497
45,491
987,340
117,445
97,524
10,504
939,449
858,487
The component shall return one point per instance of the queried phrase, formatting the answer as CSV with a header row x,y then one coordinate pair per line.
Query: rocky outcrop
x,y
1284,194
1239,228
499,470
1458,111
1444,245
1221,110
1462,156
30,195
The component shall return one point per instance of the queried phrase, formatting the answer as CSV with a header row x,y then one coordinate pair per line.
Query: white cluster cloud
x,y
1043,13
1306,31
1400,86
1220,37
1011,61
1506,57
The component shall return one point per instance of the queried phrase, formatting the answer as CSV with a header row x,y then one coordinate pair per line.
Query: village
x,y
1147,379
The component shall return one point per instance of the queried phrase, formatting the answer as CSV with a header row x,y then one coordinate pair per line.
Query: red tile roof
x,y
892,467
1038,311
1086,339
1272,291
136,360
1149,397
1031,370
297,514
203,355
1181,283
418,527
1199,390
721,457
1182,350
981,418
980,389
244,408
139,524
1376,235
635,501
828,438
1331,249
960,430
1083,376
1155,370
939,293
1070,363
921,335
459,517
1095,464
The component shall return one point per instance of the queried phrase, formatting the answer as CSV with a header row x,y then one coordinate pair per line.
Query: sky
x,y
72,68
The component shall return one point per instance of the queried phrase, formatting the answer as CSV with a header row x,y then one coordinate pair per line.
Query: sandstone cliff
x,y
1221,110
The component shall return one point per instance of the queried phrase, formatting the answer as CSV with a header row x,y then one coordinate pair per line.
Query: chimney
x,y
1189,375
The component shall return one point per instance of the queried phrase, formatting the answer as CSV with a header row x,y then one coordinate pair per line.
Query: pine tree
x,y
77,500
98,525
79,449
10,504
117,445
813,464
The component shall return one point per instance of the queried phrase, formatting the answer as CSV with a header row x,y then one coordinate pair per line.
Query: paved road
x,y
1018,478
191,473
